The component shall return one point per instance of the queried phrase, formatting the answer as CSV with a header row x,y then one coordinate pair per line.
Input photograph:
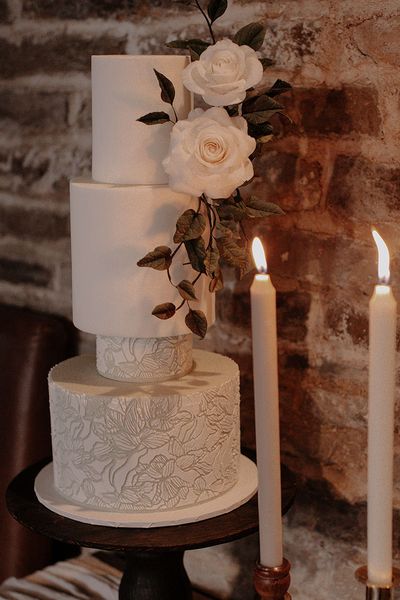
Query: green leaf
x,y
159,259
166,87
189,226
164,311
154,118
232,253
216,8
196,252
197,323
267,62
194,45
211,261
279,87
226,229
228,211
260,109
257,207
217,283
251,35
262,132
186,290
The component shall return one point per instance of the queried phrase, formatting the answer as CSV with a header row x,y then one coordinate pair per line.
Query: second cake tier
x,y
145,447
112,228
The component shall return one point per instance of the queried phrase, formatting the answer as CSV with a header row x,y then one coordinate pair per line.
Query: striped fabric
x,y
83,578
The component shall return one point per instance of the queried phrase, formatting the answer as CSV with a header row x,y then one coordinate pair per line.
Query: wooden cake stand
x,y
154,557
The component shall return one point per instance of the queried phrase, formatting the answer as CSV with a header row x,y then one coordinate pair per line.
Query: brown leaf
x,y
164,311
196,252
211,261
197,323
217,283
257,207
186,290
189,226
232,253
159,259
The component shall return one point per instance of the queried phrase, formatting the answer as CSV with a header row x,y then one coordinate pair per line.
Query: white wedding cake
x,y
148,425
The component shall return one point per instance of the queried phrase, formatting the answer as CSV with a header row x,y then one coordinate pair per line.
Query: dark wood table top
x,y
27,510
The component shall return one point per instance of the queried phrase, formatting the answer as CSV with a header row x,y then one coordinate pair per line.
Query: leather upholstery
x,y
30,344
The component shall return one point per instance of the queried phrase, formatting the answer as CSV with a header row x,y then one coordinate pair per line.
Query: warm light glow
x,y
259,255
383,258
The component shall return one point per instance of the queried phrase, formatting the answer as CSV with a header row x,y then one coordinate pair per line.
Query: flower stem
x,y
207,20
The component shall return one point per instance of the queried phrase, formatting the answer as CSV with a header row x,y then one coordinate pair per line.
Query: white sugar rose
x,y
223,73
209,154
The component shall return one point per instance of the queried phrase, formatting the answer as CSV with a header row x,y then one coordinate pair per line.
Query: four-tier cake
x,y
147,431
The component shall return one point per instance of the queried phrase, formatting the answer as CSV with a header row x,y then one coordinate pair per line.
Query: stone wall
x,y
335,171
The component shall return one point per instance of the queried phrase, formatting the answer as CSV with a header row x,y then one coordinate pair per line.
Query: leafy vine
x,y
214,232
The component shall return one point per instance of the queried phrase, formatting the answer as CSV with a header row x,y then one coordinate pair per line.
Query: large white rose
x,y
223,73
209,153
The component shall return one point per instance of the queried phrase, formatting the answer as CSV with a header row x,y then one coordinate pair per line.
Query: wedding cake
x,y
148,426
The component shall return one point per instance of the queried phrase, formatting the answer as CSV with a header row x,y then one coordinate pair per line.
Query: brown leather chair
x,y
30,344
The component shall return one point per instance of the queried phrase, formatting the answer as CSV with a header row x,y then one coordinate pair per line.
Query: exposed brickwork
x,y
55,55
37,110
83,9
335,171
16,271
345,111
4,14
33,224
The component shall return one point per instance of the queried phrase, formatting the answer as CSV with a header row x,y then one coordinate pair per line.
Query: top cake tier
x,y
125,88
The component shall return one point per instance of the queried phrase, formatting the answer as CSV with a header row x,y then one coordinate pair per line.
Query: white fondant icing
x,y
112,227
144,359
145,447
125,88
240,493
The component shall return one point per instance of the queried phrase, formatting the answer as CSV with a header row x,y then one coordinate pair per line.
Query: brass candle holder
x,y
377,592
272,583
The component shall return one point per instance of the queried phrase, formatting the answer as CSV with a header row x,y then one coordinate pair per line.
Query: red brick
x,y
345,318
34,109
83,9
42,172
364,191
18,271
58,54
341,111
378,39
4,12
292,182
292,311
35,224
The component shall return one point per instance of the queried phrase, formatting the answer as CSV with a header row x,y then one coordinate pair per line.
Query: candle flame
x,y
383,257
259,255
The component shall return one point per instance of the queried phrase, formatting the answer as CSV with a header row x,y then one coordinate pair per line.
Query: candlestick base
x,y
377,592
272,583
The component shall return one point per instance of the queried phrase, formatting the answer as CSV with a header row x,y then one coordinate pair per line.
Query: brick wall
x,y
336,171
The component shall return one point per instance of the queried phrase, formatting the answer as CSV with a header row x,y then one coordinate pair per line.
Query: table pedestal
x,y
154,557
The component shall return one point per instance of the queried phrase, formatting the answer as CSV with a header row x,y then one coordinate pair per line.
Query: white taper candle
x,y
382,352
266,398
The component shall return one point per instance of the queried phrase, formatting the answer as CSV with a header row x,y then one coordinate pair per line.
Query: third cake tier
x,y
145,447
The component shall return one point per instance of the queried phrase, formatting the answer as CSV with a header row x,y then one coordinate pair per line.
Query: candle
x,y
266,399
382,352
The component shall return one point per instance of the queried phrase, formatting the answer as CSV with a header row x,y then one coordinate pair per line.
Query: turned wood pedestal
x,y
154,557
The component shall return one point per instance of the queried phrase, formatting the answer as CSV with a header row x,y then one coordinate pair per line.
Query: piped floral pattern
x,y
145,454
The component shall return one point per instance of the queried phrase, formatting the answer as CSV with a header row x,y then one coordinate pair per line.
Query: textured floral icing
x,y
144,359
135,447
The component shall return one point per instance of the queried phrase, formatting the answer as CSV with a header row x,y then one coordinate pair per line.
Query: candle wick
x,y
384,280
262,271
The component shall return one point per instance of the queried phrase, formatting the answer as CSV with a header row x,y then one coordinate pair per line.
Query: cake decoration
x,y
211,155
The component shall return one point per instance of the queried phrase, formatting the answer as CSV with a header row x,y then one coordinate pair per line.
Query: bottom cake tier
x,y
129,447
